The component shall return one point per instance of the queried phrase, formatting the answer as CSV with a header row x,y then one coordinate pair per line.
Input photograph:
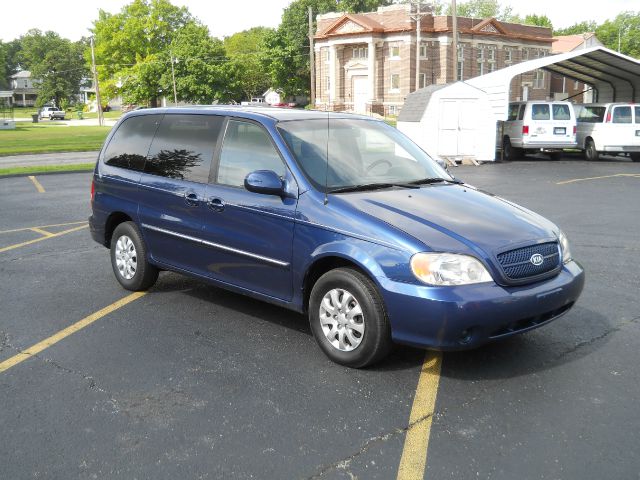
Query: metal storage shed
x,y
615,77
449,122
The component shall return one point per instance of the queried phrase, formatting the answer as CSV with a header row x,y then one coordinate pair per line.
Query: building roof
x,y
568,43
416,103
616,77
397,18
22,74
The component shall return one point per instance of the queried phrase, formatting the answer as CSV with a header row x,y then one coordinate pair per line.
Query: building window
x,y
507,56
26,84
492,67
460,70
361,52
480,67
392,110
576,85
328,84
525,54
327,55
394,51
491,52
538,81
423,80
423,50
395,82
480,54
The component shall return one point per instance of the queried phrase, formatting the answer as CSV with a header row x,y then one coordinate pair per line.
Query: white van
x,y
537,126
611,128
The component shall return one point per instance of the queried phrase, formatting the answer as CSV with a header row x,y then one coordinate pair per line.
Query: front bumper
x,y
463,317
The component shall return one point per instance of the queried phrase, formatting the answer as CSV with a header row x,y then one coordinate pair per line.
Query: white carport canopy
x,y
614,76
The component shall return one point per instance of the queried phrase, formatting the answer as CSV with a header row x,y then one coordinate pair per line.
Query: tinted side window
x,y
592,114
183,147
622,115
247,147
513,111
637,112
129,145
540,111
561,112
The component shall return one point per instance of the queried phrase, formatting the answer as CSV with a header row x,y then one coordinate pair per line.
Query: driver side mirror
x,y
266,182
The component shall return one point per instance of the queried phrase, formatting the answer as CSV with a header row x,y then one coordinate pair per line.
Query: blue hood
x,y
455,218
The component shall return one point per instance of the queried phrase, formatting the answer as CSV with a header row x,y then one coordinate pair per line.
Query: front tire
x,y
129,258
348,319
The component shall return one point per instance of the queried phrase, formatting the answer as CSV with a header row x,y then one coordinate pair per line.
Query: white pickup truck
x,y
608,128
52,113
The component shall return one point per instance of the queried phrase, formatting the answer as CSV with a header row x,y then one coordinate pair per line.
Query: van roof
x,y
278,114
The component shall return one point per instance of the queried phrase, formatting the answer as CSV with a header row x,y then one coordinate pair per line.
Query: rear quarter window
x,y
591,114
129,145
621,115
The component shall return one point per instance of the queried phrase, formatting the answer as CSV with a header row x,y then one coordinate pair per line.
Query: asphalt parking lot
x,y
190,381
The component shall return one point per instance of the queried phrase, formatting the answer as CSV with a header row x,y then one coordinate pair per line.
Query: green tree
x,y
623,31
578,28
57,63
538,20
4,74
133,48
246,50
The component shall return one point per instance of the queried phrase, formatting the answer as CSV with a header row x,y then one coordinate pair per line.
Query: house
x,y
23,88
367,62
564,87
272,96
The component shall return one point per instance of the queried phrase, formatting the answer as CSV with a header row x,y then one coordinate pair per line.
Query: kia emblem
x,y
536,259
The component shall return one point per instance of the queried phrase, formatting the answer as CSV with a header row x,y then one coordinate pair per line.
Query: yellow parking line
x,y
42,226
637,175
39,187
41,232
62,334
36,240
416,443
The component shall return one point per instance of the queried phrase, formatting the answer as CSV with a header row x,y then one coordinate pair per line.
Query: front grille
x,y
517,265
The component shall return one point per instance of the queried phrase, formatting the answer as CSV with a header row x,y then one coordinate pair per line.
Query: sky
x,y
72,18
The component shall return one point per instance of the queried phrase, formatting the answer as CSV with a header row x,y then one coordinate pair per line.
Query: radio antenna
x,y
326,172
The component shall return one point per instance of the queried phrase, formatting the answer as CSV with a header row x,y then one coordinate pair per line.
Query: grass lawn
x,y
113,114
37,138
81,167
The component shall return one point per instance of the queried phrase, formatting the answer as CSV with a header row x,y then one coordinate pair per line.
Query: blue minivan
x,y
334,215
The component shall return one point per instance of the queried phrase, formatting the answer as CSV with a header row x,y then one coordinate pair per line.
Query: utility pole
x,y
95,83
417,16
454,43
173,78
312,60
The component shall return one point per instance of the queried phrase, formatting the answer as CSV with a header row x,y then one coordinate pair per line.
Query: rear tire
x,y
590,152
347,318
510,153
555,156
635,157
129,258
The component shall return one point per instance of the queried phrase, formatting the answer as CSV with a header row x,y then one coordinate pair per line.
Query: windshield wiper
x,y
427,181
371,186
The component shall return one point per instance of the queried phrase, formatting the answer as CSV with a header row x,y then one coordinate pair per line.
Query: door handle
x,y
191,199
216,204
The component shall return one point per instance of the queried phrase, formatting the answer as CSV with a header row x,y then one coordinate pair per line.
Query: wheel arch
x,y
115,219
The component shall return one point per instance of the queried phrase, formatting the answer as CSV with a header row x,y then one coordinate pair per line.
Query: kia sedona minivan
x,y
538,126
337,216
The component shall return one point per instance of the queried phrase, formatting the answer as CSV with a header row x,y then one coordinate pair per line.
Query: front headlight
x,y
448,269
564,247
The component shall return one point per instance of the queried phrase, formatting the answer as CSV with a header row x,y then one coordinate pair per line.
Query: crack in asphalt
x,y
593,340
344,463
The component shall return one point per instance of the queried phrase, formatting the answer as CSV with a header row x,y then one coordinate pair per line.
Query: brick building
x,y
366,62
563,87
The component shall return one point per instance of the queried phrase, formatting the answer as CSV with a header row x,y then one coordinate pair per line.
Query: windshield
x,y
360,152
